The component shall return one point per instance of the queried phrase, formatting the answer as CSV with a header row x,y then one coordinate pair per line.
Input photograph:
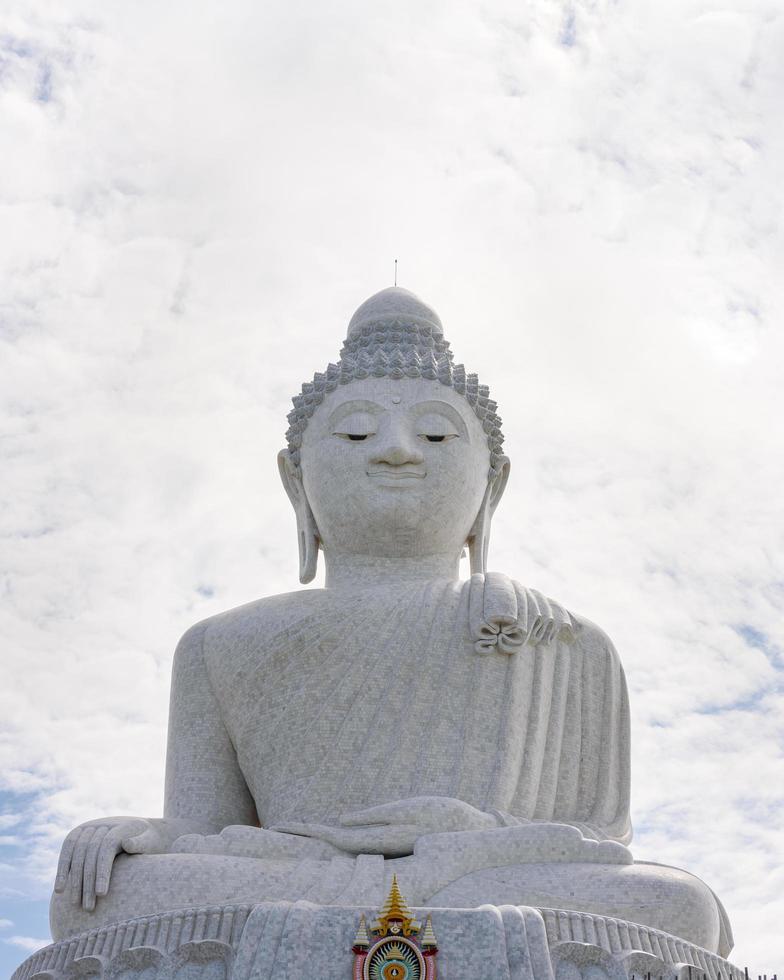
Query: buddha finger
x,y
373,839
196,844
383,814
423,811
393,841
140,841
109,848
90,866
398,812
343,838
303,829
64,864
77,864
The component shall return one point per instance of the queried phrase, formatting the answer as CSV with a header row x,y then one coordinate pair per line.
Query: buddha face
x,y
394,468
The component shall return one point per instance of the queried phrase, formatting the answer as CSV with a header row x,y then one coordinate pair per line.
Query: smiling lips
x,y
396,473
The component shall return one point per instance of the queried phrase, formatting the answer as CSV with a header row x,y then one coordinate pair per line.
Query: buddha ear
x,y
307,532
479,538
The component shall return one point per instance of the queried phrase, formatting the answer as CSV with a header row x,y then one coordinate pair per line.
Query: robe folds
x,y
481,690
300,708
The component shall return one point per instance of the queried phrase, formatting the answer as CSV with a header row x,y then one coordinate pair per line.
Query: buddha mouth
x,y
396,473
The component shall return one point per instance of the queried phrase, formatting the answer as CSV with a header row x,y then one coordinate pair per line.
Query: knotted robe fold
x,y
369,698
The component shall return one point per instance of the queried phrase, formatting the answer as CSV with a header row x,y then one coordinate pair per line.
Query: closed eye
x,y
354,436
440,438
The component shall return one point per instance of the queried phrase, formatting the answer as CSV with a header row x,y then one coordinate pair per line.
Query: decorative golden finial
x,y
361,940
395,916
393,952
428,938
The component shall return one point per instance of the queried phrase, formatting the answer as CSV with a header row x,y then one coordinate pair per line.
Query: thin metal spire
x,y
396,272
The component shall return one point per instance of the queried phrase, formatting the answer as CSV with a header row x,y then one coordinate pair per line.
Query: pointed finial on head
x,y
396,272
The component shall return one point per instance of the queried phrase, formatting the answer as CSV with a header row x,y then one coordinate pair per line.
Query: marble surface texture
x,y
471,736
291,941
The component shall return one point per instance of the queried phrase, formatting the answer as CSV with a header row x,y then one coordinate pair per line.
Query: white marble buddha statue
x,y
471,736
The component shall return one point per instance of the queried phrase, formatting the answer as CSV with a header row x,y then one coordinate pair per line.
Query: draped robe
x,y
334,701
302,707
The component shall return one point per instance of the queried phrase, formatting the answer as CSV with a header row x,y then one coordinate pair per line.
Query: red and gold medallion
x,y
394,948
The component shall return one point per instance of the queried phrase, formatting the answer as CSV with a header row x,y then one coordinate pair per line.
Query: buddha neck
x,y
346,571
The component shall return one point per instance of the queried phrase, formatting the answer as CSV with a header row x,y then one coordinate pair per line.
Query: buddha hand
x,y
254,842
393,828
88,852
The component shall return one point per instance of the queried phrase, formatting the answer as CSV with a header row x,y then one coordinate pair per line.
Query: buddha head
x,y
394,452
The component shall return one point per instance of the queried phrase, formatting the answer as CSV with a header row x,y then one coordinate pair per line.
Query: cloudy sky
x,y
193,200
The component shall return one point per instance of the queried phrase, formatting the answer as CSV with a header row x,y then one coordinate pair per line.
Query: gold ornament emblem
x,y
397,951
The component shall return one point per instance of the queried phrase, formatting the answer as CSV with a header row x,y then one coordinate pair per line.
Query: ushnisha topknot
x,y
394,334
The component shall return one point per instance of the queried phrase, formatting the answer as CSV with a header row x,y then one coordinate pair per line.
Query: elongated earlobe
x,y
479,541
307,532
479,538
308,545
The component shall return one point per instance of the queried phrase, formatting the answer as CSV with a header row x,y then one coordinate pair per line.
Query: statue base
x,y
294,940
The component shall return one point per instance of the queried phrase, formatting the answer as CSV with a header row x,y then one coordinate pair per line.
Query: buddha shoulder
x,y
236,631
592,639
502,615
504,609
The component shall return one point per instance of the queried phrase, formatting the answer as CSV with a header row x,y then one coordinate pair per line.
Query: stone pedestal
x,y
302,941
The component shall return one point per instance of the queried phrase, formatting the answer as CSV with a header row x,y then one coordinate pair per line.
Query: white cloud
x,y
27,942
589,193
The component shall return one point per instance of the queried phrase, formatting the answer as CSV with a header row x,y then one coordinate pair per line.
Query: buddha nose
x,y
397,449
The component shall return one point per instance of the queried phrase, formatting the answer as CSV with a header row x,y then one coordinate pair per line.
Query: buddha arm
x,y
205,790
204,784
